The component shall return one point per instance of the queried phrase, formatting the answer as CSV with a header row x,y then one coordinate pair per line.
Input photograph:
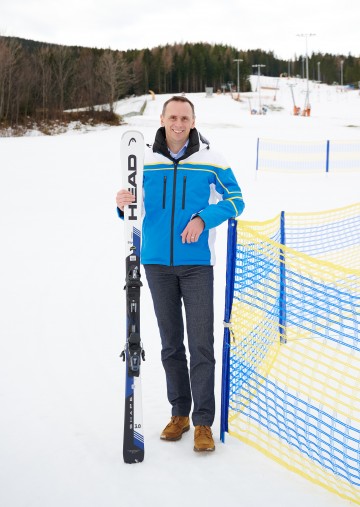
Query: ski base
x,y
132,161
133,448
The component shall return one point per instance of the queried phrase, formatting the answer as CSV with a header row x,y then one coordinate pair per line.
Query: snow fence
x,y
307,156
291,356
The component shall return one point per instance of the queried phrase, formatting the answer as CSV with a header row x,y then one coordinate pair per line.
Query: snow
x,y
62,320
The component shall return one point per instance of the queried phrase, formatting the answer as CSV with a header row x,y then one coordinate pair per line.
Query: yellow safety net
x,y
294,347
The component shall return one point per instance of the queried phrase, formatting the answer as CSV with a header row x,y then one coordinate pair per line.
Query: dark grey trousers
x,y
192,285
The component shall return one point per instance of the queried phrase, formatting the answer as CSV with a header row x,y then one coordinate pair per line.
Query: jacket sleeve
x,y
228,194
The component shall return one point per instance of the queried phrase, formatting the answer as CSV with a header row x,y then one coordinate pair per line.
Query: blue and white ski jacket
x,y
200,183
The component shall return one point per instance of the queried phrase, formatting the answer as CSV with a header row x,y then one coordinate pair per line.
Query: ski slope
x,y
62,324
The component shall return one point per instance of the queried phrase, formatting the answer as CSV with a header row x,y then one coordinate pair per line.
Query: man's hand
x,y
192,231
124,198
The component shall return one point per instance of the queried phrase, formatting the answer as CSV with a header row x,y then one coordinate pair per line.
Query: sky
x,y
119,24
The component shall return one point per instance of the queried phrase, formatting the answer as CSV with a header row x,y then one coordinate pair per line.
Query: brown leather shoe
x,y
176,427
203,439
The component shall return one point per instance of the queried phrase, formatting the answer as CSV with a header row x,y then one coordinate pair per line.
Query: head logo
x,y
132,172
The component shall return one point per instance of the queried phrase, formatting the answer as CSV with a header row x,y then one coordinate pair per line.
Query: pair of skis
x,y
132,161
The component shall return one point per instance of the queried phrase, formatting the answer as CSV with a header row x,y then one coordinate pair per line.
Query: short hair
x,y
179,98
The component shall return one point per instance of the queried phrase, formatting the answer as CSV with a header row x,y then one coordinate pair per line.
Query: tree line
x,y
40,81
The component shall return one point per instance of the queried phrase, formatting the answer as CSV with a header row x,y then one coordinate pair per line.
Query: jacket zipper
x,y
164,193
184,193
173,217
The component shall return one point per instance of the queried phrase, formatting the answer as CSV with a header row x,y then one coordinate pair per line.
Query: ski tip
x,y
132,136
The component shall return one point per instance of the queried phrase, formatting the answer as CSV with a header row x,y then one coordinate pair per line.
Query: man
x,y
188,191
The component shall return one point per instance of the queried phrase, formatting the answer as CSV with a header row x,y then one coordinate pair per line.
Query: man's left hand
x,y
192,231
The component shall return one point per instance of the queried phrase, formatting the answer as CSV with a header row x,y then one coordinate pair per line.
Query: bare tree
x,y
63,66
10,52
86,86
43,63
113,72
3,71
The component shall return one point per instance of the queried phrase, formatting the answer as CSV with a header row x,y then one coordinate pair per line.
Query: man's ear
x,y
162,120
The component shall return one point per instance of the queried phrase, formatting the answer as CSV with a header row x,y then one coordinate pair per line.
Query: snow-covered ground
x,y
62,311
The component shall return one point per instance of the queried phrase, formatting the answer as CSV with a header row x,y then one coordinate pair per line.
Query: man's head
x,y
178,118
179,98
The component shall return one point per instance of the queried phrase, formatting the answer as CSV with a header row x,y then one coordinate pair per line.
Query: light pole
x,y
258,67
306,35
238,73
342,73
302,66
318,66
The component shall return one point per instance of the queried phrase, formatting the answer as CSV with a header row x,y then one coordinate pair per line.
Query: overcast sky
x,y
271,25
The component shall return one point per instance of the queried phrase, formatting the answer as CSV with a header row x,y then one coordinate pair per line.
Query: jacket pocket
x,y
184,193
164,193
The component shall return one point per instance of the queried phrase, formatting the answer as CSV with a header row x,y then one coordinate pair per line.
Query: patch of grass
x,y
75,120
93,118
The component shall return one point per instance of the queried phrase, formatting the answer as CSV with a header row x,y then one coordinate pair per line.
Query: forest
x,y
41,82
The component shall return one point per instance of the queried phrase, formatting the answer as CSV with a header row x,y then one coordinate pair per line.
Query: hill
x,y
39,81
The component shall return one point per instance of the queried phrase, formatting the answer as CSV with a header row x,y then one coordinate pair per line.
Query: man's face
x,y
178,120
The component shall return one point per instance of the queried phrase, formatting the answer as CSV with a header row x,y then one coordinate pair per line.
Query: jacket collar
x,y
196,143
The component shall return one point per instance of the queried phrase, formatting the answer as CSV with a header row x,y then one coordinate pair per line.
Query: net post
x,y
327,155
257,154
282,292
229,292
